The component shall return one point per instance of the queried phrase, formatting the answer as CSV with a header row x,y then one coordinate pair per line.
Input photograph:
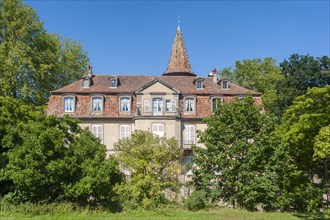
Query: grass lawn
x,y
223,213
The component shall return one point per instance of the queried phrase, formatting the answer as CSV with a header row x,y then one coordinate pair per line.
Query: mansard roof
x,y
130,84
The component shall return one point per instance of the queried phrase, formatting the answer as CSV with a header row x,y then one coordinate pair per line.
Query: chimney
x,y
90,71
215,75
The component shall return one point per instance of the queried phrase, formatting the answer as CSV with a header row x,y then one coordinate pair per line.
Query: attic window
x,y
86,82
199,84
224,84
113,83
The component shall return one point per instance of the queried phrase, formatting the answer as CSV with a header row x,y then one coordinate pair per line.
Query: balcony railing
x,y
154,111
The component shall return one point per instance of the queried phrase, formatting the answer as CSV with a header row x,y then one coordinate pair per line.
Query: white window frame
x,y
101,107
86,83
125,131
97,131
113,83
158,129
212,102
158,110
189,134
199,84
189,104
121,104
224,86
66,104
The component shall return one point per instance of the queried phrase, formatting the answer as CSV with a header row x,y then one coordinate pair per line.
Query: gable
x,y
157,86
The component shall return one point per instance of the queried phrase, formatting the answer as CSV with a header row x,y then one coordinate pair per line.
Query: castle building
x,y
172,105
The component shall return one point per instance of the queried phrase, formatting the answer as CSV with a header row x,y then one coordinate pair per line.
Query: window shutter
x,y
192,134
146,106
173,104
97,131
124,131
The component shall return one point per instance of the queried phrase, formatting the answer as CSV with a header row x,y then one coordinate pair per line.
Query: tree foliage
x,y
235,164
301,72
52,160
258,75
153,167
303,133
34,62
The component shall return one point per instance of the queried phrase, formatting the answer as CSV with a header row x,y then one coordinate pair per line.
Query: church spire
x,y
179,62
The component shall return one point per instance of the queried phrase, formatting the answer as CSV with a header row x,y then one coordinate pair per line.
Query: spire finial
x,y
179,22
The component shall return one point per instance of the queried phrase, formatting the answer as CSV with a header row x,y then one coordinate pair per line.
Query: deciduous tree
x,y
34,62
301,72
235,165
303,132
258,75
153,167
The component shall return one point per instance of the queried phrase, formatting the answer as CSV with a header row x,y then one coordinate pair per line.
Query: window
x,y
216,103
224,84
146,105
158,129
69,104
113,83
189,134
170,105
86,83
241,98
125,131
199,84
188,159
157,106
189,104
97,131
97,104
125,104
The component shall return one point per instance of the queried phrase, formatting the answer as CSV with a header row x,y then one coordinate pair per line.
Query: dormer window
x,y
114,82
97,104
199,83
224,84
69,104
86,82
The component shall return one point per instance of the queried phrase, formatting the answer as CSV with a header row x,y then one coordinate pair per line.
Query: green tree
x,y
303,133
12,112
47,159
258,75
34,62
235,165
153,167
301,72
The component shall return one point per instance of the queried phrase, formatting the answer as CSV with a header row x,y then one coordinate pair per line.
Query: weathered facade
x,y
171,105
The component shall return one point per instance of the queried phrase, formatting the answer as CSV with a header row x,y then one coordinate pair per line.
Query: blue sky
x,y
136,37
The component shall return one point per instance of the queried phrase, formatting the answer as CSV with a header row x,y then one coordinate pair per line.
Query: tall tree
x,y
258,75
34,62
153,167
235,164
301,72
303,132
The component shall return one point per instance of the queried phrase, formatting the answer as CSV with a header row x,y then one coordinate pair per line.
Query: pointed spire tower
x,y
179,63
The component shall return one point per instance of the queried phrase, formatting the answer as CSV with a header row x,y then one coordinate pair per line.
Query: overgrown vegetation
x,y
152,165
277,159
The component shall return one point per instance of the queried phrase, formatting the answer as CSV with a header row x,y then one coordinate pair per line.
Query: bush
x,y
197,200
